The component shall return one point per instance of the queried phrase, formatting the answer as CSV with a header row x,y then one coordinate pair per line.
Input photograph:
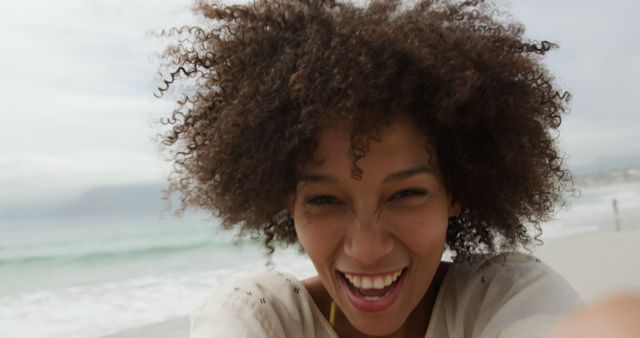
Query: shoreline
x,y
597,265
171,328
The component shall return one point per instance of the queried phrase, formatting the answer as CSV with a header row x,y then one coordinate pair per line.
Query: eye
x,y
322,200
407,193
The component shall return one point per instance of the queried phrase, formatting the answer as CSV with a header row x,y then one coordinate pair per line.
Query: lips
x,y
373,292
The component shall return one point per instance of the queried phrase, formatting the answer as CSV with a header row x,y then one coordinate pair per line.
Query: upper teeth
x,y
373,282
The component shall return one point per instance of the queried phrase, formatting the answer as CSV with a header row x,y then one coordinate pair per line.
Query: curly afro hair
x,y
262,79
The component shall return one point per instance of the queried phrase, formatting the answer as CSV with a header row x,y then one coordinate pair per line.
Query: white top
x,y
507,296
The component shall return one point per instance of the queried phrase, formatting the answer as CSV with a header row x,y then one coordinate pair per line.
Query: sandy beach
x,y
173,328
596,264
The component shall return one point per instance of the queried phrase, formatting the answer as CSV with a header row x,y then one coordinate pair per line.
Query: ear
x,y
454,208
291,202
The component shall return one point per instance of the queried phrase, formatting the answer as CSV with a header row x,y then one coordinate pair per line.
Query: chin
x,y
378,326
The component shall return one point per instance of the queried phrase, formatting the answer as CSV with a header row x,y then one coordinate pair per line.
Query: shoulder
x,y
503,293
514,269
502,277
267,288
265,305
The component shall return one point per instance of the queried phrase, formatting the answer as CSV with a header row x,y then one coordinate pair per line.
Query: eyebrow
x,y
403,174
408,173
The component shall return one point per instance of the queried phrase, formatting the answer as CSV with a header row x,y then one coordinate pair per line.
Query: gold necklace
x,y
332,314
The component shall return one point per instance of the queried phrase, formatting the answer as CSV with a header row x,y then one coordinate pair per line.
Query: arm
x,y
616,317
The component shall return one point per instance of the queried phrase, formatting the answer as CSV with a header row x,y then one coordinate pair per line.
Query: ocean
x,y
92,276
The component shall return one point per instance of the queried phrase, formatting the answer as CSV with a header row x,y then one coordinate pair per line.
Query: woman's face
x,y
376,242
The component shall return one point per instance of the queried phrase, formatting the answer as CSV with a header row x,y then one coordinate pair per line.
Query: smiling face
x,y
376,242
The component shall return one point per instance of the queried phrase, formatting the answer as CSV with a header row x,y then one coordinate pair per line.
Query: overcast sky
x,y
77,82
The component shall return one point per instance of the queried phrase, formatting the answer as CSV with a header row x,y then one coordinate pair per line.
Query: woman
x,y
374,137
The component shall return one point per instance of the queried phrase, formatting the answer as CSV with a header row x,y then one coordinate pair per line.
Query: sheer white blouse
x,y
507,296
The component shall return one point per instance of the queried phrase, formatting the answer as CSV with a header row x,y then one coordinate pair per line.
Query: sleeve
x,y
242,310
524,298
225,316
266,305
508,296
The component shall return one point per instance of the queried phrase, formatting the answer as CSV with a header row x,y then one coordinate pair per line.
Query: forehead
x,y
402,144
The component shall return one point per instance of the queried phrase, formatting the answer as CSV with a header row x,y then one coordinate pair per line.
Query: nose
x,y
368,241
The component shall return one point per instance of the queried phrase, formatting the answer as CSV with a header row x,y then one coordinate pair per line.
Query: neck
x,y
414,327
416,324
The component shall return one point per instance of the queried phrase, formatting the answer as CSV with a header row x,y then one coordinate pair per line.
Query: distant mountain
x,y
114,200
609,177
145,199
605,164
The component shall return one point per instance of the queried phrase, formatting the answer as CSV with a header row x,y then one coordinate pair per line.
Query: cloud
x,y
78,78
599,63
77,100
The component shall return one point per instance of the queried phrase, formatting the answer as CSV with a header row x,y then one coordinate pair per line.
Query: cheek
x,y
422,232
318,236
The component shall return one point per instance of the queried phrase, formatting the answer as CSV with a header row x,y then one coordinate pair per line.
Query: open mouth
x,y
373,292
